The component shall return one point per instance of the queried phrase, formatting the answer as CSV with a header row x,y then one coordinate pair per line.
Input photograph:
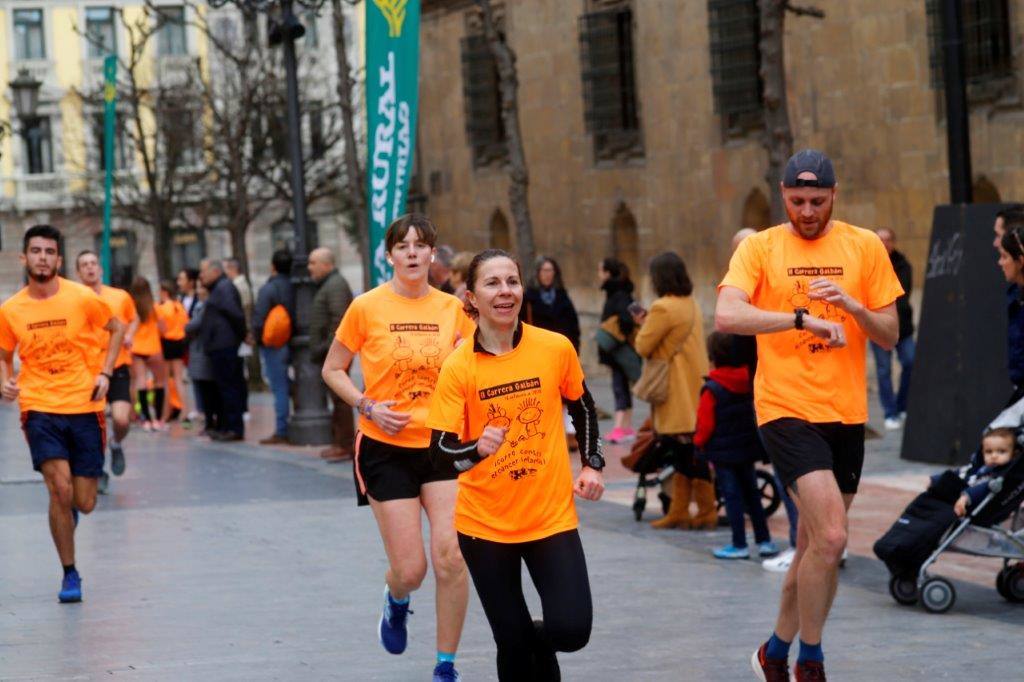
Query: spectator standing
x,y
1011,260
200,370
332,299
895,406
727,437
546,303
276,292
460,273
673,330
441,269
187,280
222,331
233,271
618,322
1013,213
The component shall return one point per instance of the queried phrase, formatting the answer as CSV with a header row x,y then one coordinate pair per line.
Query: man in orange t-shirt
x,y
813,290
54,324
90,273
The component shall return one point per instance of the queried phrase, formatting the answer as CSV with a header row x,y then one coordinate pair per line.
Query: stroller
x,y
929,526
651,462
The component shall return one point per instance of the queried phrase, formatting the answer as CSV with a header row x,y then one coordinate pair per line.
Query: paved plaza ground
x,y
234,562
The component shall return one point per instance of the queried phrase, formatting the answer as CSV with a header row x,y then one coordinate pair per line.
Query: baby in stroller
x,y
962,511
998,450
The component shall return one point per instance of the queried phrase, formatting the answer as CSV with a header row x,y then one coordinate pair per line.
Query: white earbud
x,y
431,259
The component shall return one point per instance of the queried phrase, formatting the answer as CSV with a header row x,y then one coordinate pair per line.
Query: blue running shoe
x,y
768,549
730,552
446,672
392,630
71,588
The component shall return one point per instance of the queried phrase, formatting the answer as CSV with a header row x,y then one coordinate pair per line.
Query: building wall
x,y
858,89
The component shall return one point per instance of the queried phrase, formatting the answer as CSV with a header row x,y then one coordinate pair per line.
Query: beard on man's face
x,y
810,231
41,274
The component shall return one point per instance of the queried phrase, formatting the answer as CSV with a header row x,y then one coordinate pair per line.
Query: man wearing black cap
x,y
813,290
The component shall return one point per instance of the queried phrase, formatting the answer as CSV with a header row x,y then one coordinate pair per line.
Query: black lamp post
x,y
26,94
310,423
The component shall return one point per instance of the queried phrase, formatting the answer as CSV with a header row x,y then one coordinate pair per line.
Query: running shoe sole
x,y
756,665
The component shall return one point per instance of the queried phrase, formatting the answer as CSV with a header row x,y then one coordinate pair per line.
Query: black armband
x,y
448,453
583,413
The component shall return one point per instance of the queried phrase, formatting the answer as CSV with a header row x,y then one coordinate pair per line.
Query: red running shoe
x,y
769,669
810,671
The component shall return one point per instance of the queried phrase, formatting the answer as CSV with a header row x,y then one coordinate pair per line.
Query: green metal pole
x,y
109,125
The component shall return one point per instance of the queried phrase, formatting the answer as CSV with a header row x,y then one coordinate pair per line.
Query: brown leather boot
x,y
707,505
678,515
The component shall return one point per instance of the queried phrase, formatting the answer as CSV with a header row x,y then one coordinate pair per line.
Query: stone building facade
x,y
690,168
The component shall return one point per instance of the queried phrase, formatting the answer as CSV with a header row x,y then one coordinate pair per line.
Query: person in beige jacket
x,y
673,330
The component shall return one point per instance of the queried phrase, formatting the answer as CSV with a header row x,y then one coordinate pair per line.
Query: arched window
x,y
757,212
501,238
985,192
625,243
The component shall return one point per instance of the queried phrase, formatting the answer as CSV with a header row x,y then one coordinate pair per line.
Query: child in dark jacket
x,y
727,437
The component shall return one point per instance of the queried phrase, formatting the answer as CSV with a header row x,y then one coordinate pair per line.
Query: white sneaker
x,y
893,424
780,563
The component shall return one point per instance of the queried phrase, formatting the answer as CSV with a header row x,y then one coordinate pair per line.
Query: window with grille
x,y
481,96
188,247
28,34
100,32
609,83
734,28
988,55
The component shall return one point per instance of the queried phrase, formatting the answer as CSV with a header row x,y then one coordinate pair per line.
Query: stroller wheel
x,y
937,595
638,508
903,590
771,497
1010,583
666,502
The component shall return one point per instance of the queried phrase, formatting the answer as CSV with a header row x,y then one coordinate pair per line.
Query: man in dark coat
x,y
222,331
330,302
277,291
895,406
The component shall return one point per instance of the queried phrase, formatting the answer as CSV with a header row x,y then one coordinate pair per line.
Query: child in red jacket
x,y
727,437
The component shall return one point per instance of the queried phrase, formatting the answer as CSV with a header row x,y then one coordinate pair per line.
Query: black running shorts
x,y
120,385
173,350
797,447
390,472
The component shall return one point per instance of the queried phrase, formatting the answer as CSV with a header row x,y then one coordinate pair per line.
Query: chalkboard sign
x,y
959,382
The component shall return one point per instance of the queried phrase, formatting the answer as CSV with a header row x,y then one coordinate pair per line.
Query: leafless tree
x,y
778,139
519,176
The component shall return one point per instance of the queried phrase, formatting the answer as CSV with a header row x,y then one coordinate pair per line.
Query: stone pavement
x,y
234,562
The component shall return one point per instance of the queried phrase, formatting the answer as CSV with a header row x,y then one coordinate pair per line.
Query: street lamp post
x,y
25,91
310,423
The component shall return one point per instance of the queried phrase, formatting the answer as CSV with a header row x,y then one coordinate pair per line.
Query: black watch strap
x,y
595,462
798,321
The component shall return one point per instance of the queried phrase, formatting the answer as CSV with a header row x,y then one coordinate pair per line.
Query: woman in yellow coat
x,y
673,330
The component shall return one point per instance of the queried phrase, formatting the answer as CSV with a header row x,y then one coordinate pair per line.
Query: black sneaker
x,y
103,484
809,671
116,458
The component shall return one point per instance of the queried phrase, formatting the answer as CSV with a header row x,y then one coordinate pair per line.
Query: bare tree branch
x,y
804,11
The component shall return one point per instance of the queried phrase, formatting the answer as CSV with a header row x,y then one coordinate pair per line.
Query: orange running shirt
x,y
522,492
56,340
147,337
121,304
798,375
175,318
401,344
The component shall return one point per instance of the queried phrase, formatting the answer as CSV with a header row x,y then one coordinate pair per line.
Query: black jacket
x,y
223,324
559,317
905,274
277,291
618,296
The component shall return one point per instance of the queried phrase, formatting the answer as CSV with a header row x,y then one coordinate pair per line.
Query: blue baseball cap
x,y
809,161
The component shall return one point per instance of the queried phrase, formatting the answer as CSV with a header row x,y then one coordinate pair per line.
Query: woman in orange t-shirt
x,y
173,343
497,418
403,330
147,355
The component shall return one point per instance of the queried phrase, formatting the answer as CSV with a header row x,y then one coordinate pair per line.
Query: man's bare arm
x,y
735,314
8,383
116,330
882,325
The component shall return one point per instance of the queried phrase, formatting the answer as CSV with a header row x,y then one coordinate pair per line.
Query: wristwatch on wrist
x,y
594,461
798,322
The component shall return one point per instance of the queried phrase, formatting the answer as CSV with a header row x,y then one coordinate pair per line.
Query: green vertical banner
x,y
109,135
392,88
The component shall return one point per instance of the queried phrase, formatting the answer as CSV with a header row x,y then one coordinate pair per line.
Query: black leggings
x,y
158,404
526,651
